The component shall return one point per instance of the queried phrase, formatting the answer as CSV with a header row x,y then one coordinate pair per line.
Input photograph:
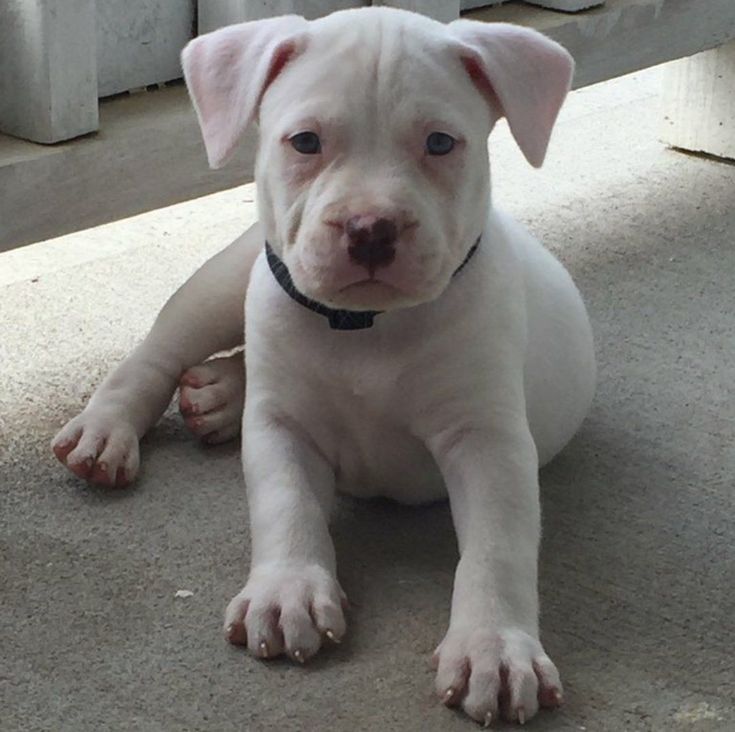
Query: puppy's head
x,y
372,168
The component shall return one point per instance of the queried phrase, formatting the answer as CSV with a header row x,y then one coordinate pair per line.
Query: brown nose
x,y
372,241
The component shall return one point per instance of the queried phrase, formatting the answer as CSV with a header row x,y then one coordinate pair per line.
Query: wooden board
x,y
214,14
567,6
444,11
139,42
48,77
699,103
149,154
626,35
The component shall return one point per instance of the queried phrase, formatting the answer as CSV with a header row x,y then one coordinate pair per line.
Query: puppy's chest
x,y
360,418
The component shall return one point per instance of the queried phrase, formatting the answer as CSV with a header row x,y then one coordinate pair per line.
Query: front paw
x,y
99,445
494,673
287,609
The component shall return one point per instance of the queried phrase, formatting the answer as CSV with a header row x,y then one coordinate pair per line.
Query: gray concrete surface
x,y
638,557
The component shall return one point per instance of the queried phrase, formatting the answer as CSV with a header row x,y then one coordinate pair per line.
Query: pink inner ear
x,y
524,74
280,58
227,72
476,72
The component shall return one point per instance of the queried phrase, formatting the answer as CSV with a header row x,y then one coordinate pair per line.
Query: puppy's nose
x,y
372,241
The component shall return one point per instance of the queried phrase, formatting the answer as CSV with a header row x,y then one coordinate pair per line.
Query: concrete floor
x,y
638,557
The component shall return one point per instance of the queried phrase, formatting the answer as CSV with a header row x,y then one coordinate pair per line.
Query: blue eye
x,y
307,143
439,143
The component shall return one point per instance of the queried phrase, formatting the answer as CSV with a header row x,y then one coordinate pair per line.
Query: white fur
x,y
462,387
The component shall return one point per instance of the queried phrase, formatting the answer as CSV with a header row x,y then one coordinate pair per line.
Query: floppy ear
x,y
228,71
525,73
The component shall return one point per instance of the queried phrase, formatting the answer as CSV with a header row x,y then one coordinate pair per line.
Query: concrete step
x,y
148,152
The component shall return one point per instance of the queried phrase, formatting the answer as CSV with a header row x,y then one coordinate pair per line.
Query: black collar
x,y
338,319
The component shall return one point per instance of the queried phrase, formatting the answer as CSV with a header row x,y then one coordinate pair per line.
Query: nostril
x,y
372,240
385,231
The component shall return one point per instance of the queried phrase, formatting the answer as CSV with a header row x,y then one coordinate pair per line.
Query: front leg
x,y
204,316
292,598
491,661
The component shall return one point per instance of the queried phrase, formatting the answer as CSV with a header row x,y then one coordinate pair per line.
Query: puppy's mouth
x,y
370,293
342,284
369,284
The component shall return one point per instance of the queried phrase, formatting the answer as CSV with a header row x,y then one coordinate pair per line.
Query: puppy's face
x,y
372,168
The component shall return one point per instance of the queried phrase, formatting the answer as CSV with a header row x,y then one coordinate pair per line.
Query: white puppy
x,y
403,338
